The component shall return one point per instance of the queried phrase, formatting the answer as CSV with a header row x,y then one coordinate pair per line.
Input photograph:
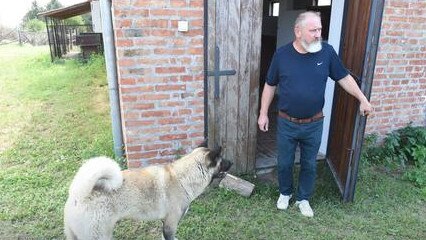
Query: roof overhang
x,y
68,12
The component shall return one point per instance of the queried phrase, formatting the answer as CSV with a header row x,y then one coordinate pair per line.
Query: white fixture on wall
x,y
183,26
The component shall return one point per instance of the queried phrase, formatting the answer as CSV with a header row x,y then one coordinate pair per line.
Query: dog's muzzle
x,y
225,165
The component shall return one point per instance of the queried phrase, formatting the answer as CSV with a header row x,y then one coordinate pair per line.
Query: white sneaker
x,y
305,208
282,202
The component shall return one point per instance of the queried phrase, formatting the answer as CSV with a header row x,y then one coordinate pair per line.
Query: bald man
x,y
300,70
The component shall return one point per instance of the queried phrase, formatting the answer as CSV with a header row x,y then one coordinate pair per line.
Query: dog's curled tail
x,y
101,173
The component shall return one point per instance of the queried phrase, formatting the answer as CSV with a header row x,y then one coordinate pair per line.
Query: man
x,y
300,69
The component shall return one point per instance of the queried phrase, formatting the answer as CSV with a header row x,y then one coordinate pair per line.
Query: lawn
x,y
55,115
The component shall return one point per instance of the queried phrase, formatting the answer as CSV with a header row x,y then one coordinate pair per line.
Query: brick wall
x,y
160,77
399,85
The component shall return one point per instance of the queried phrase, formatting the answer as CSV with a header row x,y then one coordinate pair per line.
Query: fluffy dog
x,y
100,194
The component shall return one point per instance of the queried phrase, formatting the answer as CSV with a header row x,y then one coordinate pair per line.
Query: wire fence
x,y
23,37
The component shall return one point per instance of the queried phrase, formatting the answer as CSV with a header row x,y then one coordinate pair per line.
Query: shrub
x,y
417,174
403,150
35,25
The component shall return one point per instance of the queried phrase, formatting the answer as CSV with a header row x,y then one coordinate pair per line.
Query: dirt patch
x,y
9,231
13,123
100,101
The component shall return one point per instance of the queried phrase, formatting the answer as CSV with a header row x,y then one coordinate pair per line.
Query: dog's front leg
x,y
170,224
169,229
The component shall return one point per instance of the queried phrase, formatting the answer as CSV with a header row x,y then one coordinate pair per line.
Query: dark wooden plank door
x,y
234,28
361,29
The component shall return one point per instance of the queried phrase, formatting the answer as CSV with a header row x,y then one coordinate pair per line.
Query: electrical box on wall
x,y
183,26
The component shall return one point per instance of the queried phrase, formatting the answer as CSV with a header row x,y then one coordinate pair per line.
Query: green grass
x,y
55,115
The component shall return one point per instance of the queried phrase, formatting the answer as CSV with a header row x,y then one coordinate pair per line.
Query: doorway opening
x,y
277,30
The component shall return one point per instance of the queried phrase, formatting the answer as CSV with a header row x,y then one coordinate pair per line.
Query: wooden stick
x,y
241,186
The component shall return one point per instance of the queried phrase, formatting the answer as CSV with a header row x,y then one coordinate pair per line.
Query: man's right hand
x,y
267,96
263,122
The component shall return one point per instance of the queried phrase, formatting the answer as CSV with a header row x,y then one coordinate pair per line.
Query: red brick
x,y
127,81
162,70
154,130
196,3
149,41
419,62
129,98
197,41
162,12
157,146
124,43
131,115
169,137
123,23
140,123
194,33
137,148
178,3
197,119
166,51
130,139
398,19
141,89
191,13
142,106
126,62
150,3
183,112
196,51
154,96
163,113
197,23
179,42
171,121
141,155
153,61
172,104
197,134
176,88
162,32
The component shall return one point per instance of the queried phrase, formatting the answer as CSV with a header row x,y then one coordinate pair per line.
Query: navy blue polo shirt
x,y
301,78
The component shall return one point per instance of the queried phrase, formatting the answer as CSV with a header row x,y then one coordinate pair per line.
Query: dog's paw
x,y
162,238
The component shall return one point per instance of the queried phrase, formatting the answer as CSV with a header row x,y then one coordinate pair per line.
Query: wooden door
x,y
233,63
361,29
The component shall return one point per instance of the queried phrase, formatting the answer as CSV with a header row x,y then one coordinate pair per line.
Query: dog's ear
x,y
213,155
203,144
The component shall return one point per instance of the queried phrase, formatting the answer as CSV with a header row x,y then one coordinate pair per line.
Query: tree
x,y
53,4
32,13
77,20
87,18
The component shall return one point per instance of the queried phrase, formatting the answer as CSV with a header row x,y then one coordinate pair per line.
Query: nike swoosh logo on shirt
x,y
319,63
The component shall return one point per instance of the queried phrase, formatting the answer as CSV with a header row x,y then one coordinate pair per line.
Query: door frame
x,y
242,155
368,67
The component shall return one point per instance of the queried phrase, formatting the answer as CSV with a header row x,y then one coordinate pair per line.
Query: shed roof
x,y
70,11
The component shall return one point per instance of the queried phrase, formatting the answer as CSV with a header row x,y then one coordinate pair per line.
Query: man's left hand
x,y
365,108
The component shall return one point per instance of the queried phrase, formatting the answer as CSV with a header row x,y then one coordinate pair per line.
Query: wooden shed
x,y
62,37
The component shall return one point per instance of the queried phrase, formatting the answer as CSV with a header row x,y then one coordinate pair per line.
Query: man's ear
x,y
297,32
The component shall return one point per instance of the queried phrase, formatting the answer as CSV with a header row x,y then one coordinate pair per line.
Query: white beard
x,y
312,47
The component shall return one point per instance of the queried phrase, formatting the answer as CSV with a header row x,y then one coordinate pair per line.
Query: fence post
x,y
19,37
